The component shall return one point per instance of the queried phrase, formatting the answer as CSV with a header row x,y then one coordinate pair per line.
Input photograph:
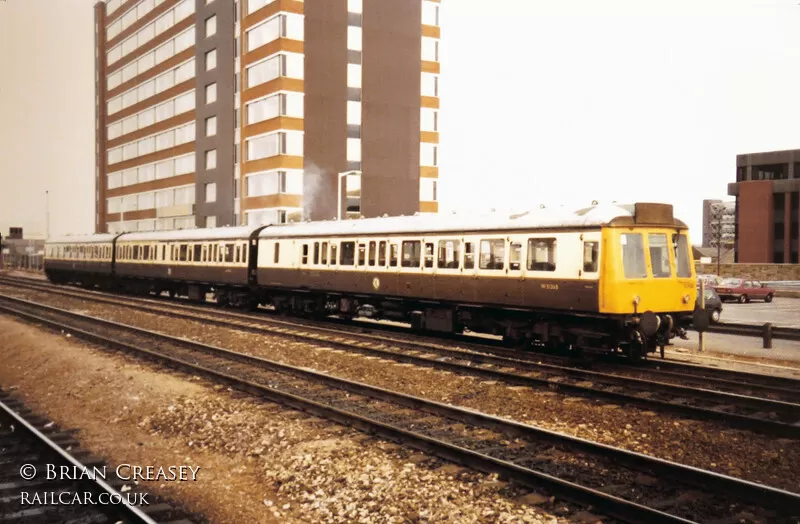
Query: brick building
x,y
767,191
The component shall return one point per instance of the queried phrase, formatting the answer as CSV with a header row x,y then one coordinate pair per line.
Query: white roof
x,y
556,218
82,239
213,233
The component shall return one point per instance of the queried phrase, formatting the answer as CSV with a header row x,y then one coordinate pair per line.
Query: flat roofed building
x,y
767,191
223,112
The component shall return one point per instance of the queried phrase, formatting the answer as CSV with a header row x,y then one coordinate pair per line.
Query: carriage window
x,y
136,252
429,254
277,253
244,253
316,253
237,253
681,246
348,253
542,254
393,254
362,255
411,253
469,256
515,256
334,247
659,255
183,252
164,252
448,254
590,256
493,254
633,255
146,253
324,259
372,248
382,254
198,252
228,253
305,254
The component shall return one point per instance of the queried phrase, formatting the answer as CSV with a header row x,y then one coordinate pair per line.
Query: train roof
x,y
82,239
177,235
557,218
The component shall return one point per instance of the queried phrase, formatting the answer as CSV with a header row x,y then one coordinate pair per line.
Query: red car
x,y
744,290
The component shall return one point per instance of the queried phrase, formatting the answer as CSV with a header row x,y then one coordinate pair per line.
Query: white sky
x,y
543,101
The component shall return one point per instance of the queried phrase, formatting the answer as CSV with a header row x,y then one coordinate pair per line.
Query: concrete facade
x,y
228,112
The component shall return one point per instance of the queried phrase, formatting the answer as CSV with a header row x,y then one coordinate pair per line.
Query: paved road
x,y
781,312
746,346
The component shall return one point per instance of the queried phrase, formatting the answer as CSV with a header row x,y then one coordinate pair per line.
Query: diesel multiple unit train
x,y
608,278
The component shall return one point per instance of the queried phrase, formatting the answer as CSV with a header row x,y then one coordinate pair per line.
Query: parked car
x,y
710,280
744,290
713,304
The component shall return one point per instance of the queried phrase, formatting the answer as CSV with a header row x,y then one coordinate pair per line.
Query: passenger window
x,y
198,252
244,253
316,253
394,250
542,254
146,252
411,253
681,245
136,252
305,254
659,255
590,256
324,259
334,248
183,253
493,254
362,255
238,253
164,252
449,254
229,253
277,252
382,254
429,254
515,256
348,253
372,248
633,255
469,256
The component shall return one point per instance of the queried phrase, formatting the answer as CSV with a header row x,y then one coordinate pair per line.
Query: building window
x,y
211,192
354,113
211,26
430,13
354,38
211,60
211,93
354,6
211,159
281,216
211,126
429,154
430,49
353,75
354,150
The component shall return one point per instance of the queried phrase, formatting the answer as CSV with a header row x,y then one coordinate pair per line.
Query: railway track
x,y
737,382
619,483
26,442
764,415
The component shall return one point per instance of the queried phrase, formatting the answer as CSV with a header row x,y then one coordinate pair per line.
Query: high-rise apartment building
x,y
223,112
719,223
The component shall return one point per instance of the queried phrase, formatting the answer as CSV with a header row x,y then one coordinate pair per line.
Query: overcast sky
x,y
543,101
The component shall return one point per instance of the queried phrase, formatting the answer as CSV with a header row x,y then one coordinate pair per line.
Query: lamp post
x,y
339,192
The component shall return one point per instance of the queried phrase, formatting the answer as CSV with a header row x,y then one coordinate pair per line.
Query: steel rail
x,y
614,506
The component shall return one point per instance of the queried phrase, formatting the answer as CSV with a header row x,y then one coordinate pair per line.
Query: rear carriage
x,y
83,259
